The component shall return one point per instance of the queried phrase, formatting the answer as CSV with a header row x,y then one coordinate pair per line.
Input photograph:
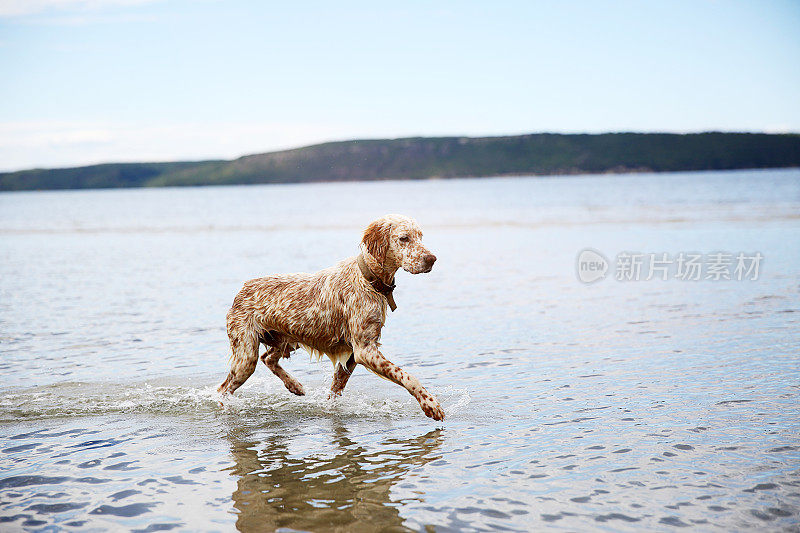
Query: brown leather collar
x,y
376,282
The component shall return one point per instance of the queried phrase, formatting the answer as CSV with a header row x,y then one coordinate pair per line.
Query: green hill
x,y
441,157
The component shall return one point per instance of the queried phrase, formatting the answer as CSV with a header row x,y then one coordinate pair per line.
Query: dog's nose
x,y
429,260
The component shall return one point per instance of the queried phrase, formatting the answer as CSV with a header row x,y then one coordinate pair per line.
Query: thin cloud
x,y
21,8
92,18
57,144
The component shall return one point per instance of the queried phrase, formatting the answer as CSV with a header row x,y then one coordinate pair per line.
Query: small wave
x,y
258,397
90,399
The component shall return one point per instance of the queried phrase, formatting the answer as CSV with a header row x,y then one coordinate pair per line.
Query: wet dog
x,y
338,312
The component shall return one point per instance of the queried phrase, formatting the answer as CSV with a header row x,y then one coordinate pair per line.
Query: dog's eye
x,y
404,238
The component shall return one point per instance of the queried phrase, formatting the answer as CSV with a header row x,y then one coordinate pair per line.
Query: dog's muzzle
x,y
428,262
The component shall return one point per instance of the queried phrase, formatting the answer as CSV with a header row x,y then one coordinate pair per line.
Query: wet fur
x,y
333,312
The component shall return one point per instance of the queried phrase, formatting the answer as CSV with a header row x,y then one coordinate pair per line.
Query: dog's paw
x,y
296,388
433,410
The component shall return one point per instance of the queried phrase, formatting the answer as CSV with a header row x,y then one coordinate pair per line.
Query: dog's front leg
x,y
369,356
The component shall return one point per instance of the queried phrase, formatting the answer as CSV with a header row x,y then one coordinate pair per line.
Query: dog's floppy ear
x,y
376,240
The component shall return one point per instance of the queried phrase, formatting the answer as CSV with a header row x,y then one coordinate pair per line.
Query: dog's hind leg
x,y
340,377
245,359
271,358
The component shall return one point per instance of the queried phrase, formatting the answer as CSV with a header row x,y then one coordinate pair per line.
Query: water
x,y
614,406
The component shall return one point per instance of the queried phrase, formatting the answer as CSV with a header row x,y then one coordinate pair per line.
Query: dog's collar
x,y
377,283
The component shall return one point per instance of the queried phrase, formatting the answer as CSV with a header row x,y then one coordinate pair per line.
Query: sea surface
x,y
618,405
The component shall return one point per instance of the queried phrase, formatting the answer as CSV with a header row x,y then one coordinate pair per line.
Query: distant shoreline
x,y
387,180
420,158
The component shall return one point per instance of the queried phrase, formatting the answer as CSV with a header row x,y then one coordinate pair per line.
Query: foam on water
x,y
261,395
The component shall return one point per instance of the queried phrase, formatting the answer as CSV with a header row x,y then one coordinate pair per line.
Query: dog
x,y
338,312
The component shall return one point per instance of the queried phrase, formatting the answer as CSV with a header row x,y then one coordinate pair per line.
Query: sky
x,y
91,81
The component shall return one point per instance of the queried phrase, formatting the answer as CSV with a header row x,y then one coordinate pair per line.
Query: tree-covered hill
x,y
441,157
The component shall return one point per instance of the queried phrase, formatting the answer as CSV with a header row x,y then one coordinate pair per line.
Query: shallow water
x,y
615,406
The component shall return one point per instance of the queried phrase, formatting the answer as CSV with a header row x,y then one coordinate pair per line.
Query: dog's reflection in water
x,y
347,492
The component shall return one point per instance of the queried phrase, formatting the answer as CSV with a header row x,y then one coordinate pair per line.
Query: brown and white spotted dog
x,y
338,312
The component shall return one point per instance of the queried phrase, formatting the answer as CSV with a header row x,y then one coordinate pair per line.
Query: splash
x,y
258,397
453,400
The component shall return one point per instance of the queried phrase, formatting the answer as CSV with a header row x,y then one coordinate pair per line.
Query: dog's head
x,y
395,241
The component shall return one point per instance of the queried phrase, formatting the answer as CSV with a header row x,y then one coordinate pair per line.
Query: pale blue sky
x,y
130,80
